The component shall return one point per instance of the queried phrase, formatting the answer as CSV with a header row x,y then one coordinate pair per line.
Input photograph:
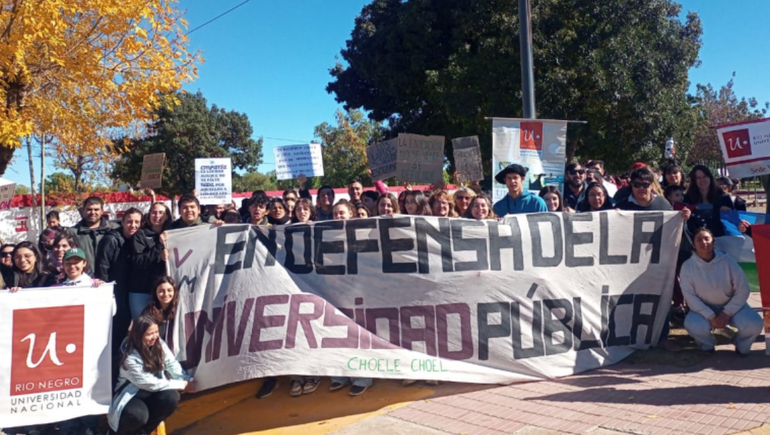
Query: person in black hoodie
x,y
709,201
278,212
113,264
146,252
92,227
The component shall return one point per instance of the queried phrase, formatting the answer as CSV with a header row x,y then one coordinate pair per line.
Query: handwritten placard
x,y
382,159
152,170
467,153
214,181
291,161
420,158
7,188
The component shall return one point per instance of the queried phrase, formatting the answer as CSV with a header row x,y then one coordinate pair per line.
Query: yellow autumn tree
x,y
78,70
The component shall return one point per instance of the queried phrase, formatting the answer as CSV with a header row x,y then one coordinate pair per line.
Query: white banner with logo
x,y
538,145
746,147
55,360
532,297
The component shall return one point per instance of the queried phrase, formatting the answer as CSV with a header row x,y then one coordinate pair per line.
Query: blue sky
x,y
270,60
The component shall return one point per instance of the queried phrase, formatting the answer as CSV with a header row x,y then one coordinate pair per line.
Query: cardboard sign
x,y
7,188
746,147
467,153
291,161
382,159
214,181
152,170
420,158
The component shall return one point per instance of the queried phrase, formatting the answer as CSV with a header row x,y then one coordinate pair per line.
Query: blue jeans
x,y
747,321
361,382
137,302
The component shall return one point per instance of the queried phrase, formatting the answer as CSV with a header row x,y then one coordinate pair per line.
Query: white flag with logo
x,y
55,360
537,144
746,147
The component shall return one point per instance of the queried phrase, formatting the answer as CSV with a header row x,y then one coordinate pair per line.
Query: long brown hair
x,y
152,357
156,308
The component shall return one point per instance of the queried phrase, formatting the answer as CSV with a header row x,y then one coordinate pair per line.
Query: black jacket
x,y
89,238
144,256
111,263
43,280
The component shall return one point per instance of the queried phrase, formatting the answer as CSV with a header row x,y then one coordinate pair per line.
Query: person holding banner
x,y
552,198
144,395
480,209
716,290
190,213
29,268
416,204
517,200
387,205
303,211
463,196
597,199
441,204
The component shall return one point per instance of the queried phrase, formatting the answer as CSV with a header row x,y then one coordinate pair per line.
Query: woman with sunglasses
x,y
463,197
6,263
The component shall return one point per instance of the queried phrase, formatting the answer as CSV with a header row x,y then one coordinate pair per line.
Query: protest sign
x,y
539,145
467,154
291,161
422,297
214,181
152,170
746,147
420,158
382,159
7,189
54,354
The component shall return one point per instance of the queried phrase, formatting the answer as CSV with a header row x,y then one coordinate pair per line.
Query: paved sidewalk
x,y
693,394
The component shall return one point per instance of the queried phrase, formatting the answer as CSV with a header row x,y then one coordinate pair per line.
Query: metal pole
x,y
527,73
42,183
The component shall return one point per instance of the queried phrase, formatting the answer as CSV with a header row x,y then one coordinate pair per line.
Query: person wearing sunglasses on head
x,y
574,186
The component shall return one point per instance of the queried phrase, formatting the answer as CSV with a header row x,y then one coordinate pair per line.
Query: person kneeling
x,y
716,290
144,396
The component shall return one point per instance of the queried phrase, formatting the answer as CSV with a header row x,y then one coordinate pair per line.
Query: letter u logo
x,y
50,349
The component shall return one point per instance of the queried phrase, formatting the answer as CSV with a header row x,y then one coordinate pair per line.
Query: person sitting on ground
x,y
716,290
149,382
552,198
517,200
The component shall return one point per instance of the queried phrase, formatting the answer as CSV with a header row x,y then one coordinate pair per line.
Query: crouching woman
x,y
716,290
149,382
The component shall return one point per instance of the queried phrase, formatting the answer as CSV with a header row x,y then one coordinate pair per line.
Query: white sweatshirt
x,y
720,281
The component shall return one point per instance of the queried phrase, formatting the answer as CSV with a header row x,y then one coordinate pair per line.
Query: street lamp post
x,y
527,73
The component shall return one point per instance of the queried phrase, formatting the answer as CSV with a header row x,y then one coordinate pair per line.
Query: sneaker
x,y
267,387
296,388
357,390
408,382
336,386
311,384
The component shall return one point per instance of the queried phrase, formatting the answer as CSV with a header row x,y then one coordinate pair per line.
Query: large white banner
x,y
532,297
539,145
746,147
55,360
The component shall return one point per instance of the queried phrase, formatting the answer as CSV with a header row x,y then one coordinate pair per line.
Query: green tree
x,y
59,182
253,181
433,67
186,131
21,189
344,147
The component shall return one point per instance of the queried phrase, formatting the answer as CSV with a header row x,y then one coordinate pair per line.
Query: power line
x,y
217,17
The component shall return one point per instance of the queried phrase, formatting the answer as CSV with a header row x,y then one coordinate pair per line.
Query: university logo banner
x,y
538,145
54,354
746,147
532,297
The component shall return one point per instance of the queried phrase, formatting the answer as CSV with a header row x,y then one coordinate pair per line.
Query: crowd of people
x,y
710,291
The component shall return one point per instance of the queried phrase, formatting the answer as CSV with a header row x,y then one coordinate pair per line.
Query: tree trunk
x,y
31,172
6,154
571,150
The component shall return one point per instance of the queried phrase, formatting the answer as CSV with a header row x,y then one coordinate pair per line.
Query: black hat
x,y
510,169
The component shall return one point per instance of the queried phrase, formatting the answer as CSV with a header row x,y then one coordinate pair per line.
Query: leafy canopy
x,y
185,132
432,67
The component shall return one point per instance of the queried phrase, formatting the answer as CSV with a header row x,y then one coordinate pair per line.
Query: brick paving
x,y
722,394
